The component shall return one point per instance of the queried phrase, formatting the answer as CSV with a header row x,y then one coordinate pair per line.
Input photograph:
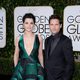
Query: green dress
x,y
28,67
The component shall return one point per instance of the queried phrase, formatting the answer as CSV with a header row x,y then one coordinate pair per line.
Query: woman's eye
x,y
32,23
26,22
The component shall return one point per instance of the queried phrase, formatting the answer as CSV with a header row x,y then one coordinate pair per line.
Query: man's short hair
x,y
54,17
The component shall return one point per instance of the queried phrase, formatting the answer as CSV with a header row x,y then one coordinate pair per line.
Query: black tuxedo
x,y
58,60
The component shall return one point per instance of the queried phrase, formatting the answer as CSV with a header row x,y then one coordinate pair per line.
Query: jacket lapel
x,y
47,49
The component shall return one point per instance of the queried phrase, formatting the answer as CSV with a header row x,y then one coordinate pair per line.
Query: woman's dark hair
x,y
54,17
28,15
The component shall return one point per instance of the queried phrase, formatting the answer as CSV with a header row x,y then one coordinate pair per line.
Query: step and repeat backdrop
x,y
71,23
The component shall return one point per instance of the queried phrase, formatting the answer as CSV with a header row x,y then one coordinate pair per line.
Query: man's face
x,y
54,26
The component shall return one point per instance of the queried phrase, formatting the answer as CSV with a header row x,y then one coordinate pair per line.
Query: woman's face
x,y
28,24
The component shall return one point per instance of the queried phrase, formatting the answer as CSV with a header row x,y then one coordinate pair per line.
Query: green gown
x,y
28,67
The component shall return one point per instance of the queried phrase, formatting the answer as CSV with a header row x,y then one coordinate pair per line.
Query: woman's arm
x,y
40,56
16,53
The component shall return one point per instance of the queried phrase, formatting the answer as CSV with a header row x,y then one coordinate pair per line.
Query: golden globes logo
x,y
20,25
71,25
74,27
42,27
1,27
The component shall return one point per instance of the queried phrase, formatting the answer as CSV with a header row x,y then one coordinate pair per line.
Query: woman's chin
x,y
29,30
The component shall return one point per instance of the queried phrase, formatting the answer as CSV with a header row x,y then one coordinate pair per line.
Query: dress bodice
x,y
34,53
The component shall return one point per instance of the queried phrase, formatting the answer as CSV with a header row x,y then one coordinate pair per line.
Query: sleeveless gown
x,y
28,67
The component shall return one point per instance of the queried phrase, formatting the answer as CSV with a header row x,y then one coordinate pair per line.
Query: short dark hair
x,y
54,17
28,15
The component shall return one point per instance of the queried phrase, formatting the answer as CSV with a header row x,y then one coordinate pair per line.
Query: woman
x,y
28,56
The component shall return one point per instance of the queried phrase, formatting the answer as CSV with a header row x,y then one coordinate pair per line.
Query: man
x,y
58,57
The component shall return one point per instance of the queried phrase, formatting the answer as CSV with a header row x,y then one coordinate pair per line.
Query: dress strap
x,y
37,39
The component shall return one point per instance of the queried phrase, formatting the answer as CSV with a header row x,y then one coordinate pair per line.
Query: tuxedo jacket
x,y
59,64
